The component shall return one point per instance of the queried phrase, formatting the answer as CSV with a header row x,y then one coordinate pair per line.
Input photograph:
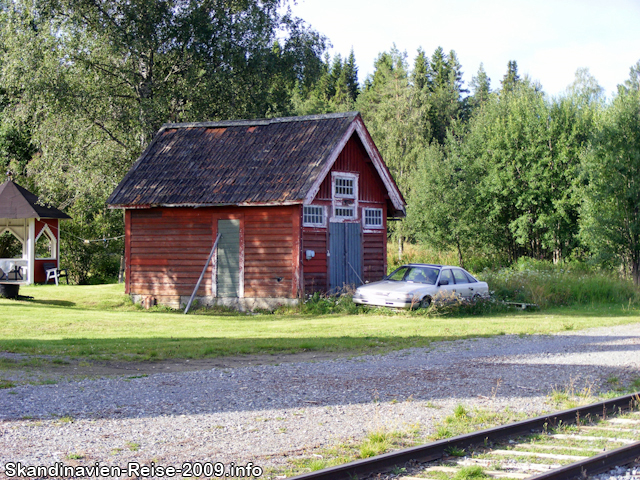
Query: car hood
x,y
390,286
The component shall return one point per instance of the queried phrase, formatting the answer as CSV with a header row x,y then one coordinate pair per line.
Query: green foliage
x,y
10,246
466,420
511,78
84,88
492,177
6,384
391,114
546,284
480,87
441,213
470,472
611,171
320,304
335,90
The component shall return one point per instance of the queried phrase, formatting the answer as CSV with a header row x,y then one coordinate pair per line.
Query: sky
x,y
549,39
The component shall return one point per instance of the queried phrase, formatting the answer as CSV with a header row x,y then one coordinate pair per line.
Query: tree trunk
x,y
460,259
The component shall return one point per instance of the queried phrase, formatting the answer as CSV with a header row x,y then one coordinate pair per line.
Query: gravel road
x,y
270,414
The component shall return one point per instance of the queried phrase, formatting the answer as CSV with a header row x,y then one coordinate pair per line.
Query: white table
x,y
13,266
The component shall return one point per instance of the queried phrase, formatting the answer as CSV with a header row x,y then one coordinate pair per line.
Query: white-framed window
x,y
313,216
372,218
344,187
344,200
344,212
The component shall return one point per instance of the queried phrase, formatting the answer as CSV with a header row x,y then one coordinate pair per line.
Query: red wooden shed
x,y
301,202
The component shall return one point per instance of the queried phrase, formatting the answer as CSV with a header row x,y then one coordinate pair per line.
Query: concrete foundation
x,y
240,304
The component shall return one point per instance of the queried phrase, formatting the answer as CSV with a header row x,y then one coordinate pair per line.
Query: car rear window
x,y
460,276
471,279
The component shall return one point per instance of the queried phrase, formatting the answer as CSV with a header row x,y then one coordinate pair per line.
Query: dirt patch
x,y
50,368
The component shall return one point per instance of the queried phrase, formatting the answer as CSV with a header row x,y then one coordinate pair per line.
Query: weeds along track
x,y
571,444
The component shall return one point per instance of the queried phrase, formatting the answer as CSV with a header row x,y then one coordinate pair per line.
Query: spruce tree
x,y
511,78
350,71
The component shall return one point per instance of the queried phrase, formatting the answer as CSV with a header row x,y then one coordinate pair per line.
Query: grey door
x,y
228,266
345,255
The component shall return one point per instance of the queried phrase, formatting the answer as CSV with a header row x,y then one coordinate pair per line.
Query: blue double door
x,y
345,255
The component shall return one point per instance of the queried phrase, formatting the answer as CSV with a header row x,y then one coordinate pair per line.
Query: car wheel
x,y
425,302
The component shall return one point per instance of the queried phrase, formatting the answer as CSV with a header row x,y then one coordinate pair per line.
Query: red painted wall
x,y
371,194
166,249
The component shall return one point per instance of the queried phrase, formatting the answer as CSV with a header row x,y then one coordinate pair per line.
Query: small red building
x,y
301,204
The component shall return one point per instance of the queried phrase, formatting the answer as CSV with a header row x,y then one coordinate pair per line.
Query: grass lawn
x,y
100,322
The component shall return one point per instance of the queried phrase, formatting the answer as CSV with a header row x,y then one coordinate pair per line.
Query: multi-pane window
x,y
344,202
344,187
344,212
373,218
313,216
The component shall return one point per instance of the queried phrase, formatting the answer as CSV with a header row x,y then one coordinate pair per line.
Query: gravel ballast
x,y
269,414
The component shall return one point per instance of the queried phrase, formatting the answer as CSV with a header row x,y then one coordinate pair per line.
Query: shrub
x,y
322,304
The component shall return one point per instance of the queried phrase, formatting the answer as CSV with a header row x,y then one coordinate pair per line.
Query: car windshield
x,y
427,275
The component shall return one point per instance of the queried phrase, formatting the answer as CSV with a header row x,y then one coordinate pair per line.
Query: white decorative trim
x,y
52,238
358,126
333,156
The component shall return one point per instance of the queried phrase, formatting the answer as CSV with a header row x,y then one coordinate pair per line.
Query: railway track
x,y
572,444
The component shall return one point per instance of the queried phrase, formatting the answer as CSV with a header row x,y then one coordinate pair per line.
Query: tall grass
x,y
529,281
546,284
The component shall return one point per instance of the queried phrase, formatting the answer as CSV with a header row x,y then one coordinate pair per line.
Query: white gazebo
x,y
36,228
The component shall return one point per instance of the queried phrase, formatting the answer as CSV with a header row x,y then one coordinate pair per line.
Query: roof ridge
x,y
260,121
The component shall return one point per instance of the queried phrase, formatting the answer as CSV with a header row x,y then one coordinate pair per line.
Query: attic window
x,y
344,187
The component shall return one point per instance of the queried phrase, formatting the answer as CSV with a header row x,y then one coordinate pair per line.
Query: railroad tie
x,y
562,436
551,456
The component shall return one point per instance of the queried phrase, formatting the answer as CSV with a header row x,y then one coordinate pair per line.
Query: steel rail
x,y
436,450
593,465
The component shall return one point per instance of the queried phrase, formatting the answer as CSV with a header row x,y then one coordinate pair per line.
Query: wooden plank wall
x,y
168,248
315,269
374,256
270,253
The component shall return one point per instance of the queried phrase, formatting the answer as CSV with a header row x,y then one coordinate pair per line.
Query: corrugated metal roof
x,y
233,162
18,202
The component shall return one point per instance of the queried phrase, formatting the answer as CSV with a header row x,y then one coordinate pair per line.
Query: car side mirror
x,y
443,282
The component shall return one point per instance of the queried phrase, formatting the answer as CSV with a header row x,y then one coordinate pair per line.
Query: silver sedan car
x,y
417,285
